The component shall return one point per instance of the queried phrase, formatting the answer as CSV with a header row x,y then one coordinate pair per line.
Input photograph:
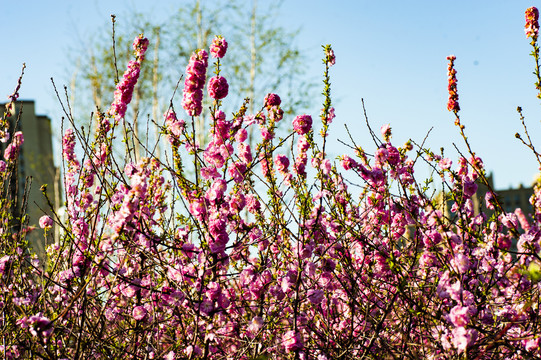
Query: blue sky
x,y
391,54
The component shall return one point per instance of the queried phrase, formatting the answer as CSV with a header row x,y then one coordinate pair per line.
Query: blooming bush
x,y
241,256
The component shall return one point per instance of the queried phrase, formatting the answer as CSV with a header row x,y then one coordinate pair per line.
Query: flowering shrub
x,y
243,256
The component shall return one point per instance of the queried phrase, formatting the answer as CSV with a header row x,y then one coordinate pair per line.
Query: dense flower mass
x,y
196,74
452,104
241,256
532,23
124,90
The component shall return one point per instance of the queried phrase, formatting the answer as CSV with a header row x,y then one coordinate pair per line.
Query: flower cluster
x,y
452,104
124,90
218,87
302,124
196,74
227,261
12,150
174,127
218,47
532,25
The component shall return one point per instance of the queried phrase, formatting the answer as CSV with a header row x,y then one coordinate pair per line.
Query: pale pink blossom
x,y
45,222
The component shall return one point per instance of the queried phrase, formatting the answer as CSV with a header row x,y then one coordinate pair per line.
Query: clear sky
x,y
391,53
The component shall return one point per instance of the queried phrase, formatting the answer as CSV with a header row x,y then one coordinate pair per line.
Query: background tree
x,y
264,54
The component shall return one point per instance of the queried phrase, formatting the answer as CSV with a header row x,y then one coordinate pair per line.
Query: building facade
x,y
35,168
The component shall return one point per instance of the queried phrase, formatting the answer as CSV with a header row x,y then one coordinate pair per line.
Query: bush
x,y
259,253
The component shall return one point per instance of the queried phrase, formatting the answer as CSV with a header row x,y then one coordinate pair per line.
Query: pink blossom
x,y
292,341
241,135
347,162
218,47
302,144
459,315
252,203
39,325
255,325
218,87
386,132
45,222
445,163
174,126
237,171
315,296
139,313
12,150
272,100
216,190
267,134
302,124
282,163
194,83
330,115
124,89
462,338
461,262
532,25
245,153
470,188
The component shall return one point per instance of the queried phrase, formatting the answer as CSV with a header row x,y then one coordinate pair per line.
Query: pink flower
x,y
459,315
461,262
194,83
40,325
302,144
139,313
532,25
470,187
218,47
237,171
140,45
124,89
282,163
45,222
315,296
241,135
174,126
12,150
252,203
347,162
272,100
386,132
216,190
245,153
445,163
462,338
302,124
218,87
292,341
267,134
